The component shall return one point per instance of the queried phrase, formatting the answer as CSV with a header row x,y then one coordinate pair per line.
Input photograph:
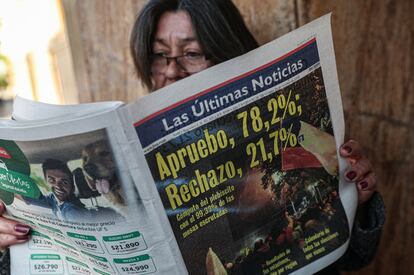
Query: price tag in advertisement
x,y
99,262
85,242
45,264
125,243
77,268
135,265
40,241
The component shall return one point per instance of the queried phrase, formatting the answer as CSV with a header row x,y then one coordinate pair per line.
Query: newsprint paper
x,y
234,170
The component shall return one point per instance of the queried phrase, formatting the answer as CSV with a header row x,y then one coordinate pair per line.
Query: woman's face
x,y
175,37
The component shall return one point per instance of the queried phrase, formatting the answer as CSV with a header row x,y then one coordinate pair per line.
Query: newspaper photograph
x,y
247,169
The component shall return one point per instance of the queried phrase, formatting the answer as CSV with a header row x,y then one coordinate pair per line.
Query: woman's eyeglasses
x,y
189,62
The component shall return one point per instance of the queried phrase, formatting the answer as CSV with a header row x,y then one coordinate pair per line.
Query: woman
x,y
172,39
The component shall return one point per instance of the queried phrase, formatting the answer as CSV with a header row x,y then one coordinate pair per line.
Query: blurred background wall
x,y
37,62
70,51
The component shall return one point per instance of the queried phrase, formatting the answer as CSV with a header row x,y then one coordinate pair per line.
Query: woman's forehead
x,y
174,27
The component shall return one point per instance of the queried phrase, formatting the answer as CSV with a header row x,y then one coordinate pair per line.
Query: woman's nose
x,y
173,69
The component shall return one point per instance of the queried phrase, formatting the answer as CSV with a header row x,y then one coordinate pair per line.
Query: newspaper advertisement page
x,y
244,158
72,184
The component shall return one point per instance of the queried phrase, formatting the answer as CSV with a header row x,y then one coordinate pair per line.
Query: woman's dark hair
x,y
218,24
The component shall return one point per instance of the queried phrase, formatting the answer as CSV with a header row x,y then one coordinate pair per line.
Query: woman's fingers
x,y
7,240
12,227
8,226
360,170
11,232
366,187
352,151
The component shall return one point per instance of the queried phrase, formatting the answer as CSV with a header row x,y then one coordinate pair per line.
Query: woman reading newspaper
x,y
173,39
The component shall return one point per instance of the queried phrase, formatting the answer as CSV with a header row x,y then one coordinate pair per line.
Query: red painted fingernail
x,y
351,175
21,228
363,185
22,238
347,149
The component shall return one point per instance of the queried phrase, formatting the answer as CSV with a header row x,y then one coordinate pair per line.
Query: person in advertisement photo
x,y
62,200
274,210
70,193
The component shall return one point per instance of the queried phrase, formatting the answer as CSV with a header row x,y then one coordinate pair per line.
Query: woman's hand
x,y
11,232
361,170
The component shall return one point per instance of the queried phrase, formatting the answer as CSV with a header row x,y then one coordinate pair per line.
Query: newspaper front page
x,y
234,170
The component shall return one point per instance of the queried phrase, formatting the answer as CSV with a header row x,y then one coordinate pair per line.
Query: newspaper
x,y
234,170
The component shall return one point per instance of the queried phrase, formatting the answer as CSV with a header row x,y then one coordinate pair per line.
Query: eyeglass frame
x,y
168,59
